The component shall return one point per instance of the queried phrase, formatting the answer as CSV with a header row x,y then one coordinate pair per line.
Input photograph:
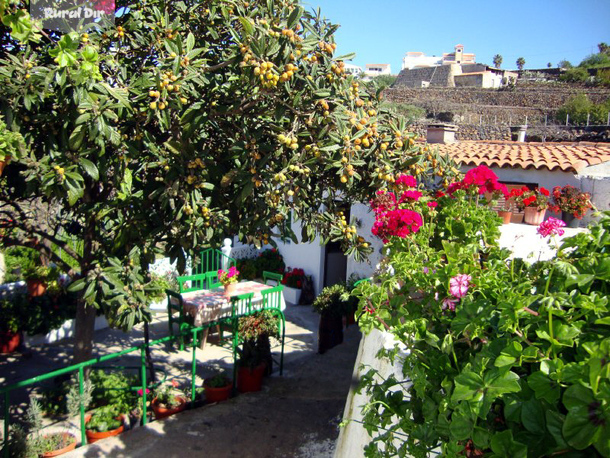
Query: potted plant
x,y
331,306
534,202
37,278
255,353
104,422
229,280
572,202
10,327
293,282
217,388
168,400
56,443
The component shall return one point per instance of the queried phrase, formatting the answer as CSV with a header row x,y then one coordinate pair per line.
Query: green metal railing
x,y
80,368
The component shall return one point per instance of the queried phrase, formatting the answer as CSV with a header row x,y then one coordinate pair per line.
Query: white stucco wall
x,y
365,219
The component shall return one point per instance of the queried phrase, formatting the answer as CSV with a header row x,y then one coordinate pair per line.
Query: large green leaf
x,y
578,429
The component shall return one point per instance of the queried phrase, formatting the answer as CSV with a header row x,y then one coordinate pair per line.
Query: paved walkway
x,y
295,415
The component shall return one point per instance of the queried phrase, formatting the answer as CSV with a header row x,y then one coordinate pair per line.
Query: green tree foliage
x,y
564,64
596,60
520,63
575,75
497,60
579,107
184,123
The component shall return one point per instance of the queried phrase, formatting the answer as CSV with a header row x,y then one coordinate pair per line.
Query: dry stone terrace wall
x,y
529,96
534,133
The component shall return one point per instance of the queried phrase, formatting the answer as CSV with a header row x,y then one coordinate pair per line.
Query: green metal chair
x,y
273,277
195,282
241,305
363,280
211,280
272,300
175,304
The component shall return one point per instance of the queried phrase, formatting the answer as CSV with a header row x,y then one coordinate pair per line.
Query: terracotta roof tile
x,y
567,157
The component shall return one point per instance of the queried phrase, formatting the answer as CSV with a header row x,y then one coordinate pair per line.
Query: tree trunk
x,y
83,331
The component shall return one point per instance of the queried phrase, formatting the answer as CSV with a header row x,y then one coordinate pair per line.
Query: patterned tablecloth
x,y
210,305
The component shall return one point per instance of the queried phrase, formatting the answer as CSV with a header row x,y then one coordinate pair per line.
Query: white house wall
x,y
365,218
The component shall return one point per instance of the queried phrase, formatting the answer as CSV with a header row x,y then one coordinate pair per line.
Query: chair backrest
x,y
188,283
241,304
272,297
274,277
174,301
211,280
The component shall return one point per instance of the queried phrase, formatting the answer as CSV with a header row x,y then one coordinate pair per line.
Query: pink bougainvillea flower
x,y
449,303
551,226
433,204
406,180
459,285
141,393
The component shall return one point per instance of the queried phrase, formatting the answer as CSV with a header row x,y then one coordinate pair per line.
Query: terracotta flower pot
x,y
68,438
94,436
230,289
162,412
36,288
249,380
533,216
217,394
506,216
3,163
9,341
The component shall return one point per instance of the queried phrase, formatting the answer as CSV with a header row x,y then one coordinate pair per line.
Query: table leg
x,y
204,338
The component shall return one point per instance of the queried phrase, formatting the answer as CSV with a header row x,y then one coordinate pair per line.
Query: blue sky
x,y
541,31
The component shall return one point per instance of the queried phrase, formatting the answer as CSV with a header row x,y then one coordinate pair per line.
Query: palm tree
x,y
520,63
497,60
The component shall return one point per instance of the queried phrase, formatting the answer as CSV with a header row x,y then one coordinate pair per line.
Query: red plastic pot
x,y
249,380
217,394
9,341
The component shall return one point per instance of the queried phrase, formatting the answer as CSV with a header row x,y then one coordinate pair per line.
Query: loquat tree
x,y
184,123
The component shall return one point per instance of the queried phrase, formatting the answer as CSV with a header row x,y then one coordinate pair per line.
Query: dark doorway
x,y
335,261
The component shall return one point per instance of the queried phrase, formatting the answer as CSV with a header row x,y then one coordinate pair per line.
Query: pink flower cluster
x,y
228,277
407,181
398,223
481,177
551,226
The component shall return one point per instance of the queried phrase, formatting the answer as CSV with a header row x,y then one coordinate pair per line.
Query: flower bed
x,y
503,358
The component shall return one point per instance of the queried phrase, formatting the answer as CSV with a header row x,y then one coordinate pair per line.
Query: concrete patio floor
x,y
295,415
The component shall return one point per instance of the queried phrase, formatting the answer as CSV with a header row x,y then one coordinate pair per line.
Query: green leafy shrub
x,y
575,75
247,268
115,389
333,301
17,259
494,357
270,260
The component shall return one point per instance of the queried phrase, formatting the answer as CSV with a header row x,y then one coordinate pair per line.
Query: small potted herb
x,y
104,422
168,400
217,388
